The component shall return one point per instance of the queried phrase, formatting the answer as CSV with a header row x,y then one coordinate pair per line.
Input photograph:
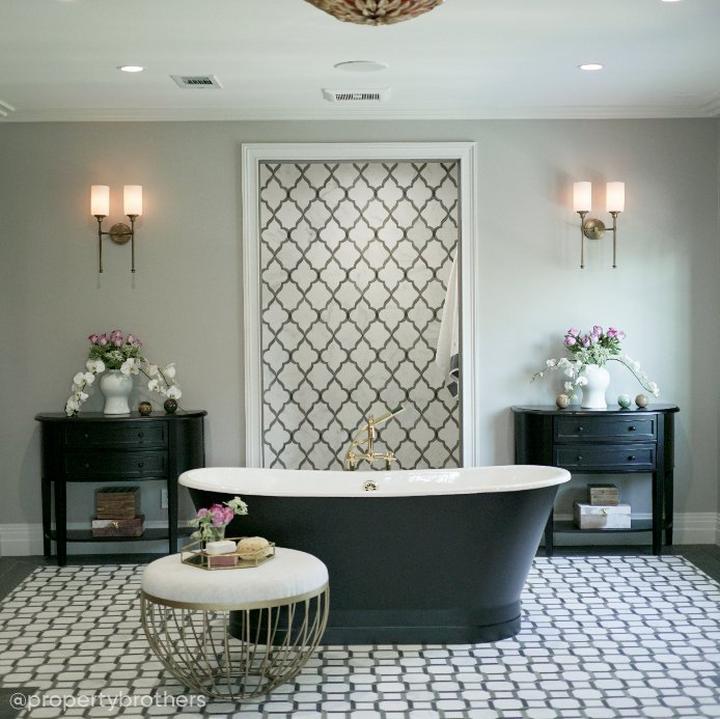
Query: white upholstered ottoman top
x,y
290,575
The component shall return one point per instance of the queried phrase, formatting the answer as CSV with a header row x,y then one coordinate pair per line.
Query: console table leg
x,y
657,512
61,521
46,494
669,509
549,534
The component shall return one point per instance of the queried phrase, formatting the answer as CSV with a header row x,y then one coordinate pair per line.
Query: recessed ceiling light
x,y
591,66
360,66
131,68
671,0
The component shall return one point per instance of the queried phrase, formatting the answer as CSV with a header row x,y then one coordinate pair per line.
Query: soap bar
x,y
223,546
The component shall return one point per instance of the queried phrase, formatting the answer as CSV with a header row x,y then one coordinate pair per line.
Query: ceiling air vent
x,y
5,108
197,82
354,97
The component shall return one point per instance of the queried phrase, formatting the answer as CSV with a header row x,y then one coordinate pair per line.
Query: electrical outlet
x,y
163,499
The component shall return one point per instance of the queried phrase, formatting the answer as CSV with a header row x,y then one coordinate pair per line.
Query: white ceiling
x,y
466,59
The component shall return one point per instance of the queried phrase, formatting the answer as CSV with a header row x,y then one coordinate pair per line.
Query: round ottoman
x,y
235,633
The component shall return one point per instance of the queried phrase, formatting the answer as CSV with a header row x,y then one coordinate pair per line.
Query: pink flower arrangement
x,y
113,348
598,345
211,521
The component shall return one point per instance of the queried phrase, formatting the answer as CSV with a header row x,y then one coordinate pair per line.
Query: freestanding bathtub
x,y
429,556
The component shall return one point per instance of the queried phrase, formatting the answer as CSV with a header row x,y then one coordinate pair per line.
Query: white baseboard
x,y
23,540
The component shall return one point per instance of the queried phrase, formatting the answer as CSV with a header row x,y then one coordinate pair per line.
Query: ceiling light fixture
x,y
591,66
375,12
360,66
131,68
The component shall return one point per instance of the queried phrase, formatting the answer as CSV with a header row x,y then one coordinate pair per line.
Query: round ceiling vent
x,y
375,12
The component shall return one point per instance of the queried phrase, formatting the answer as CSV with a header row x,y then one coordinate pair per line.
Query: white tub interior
x,y
395,483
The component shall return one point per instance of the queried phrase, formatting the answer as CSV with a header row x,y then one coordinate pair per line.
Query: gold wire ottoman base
x,y
269,643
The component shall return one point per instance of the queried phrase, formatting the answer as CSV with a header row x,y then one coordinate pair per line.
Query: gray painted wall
x,y
186,299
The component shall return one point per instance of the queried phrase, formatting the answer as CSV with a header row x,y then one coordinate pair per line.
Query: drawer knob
x,y
87,465
631,458
579,458
632,428
141,464
86,435
581,428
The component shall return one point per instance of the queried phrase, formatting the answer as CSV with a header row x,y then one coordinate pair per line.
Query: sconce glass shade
x,y
616,197
582,196
133,200
100,200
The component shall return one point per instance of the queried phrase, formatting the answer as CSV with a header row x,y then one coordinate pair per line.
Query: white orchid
x,y
131,366
96,366
151,370
169,370
154,385
173,392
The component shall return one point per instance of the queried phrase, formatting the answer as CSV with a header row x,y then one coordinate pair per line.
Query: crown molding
x,y
710,108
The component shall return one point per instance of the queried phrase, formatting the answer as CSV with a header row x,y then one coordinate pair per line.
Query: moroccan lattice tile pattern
x,y
355,259
602,638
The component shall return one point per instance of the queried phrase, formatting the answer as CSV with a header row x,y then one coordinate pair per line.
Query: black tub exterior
x,y
424,569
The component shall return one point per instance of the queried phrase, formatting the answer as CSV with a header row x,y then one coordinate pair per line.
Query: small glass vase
x,y
213,534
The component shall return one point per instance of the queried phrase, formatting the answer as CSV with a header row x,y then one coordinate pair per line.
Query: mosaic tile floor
x,y
603,637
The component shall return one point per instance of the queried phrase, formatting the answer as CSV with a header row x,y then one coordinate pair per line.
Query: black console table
x,y
609,441
94,447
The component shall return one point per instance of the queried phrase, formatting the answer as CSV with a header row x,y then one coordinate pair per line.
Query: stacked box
x,y
591,516
117,513
603,495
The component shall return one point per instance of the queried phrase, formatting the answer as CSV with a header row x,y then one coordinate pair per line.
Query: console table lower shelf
x,y
149,535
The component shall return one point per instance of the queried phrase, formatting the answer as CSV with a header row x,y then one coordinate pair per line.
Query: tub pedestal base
x,y
338,635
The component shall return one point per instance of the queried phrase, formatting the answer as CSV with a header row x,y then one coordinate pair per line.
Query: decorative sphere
x,y
145,408
642,401
624,400
170,405
562,401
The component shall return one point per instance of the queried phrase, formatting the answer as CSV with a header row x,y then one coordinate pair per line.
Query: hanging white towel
x,y
447,355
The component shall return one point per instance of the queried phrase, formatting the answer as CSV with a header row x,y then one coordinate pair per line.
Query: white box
x,y
594,516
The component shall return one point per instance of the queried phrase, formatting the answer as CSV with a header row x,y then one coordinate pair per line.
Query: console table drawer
x,y
116,465
630,458
135,435
631,429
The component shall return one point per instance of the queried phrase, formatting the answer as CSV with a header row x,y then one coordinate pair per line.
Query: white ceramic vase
x,y
116,388
598,380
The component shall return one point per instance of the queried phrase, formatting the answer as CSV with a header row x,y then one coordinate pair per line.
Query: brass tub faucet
x,y
362,446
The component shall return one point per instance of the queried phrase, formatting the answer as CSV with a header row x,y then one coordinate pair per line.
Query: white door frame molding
x,y
465,154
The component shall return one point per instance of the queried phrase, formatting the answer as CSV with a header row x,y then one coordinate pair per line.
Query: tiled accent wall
x,y
355,258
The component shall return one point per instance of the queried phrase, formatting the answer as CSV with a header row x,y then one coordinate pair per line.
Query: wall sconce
x,y
119,233
593,228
